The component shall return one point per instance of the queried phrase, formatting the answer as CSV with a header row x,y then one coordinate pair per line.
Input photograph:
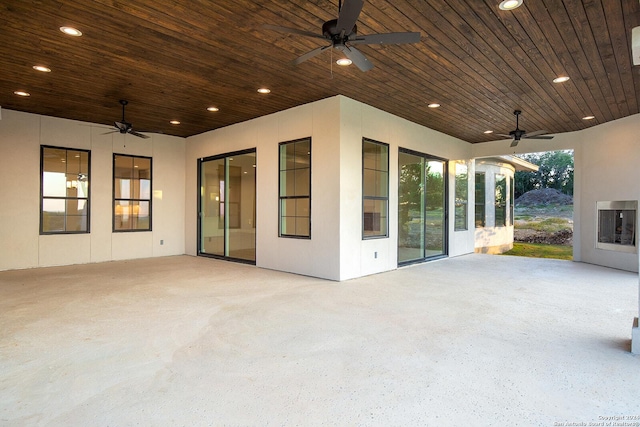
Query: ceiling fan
x,y
342,33
125,127
518,133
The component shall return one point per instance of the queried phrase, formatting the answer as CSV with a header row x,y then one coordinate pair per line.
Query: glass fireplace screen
x,y
617,225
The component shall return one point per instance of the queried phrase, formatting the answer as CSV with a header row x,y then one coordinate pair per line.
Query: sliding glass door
x,y
422,221
227,206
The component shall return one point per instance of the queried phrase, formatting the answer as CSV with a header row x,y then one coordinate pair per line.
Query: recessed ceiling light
x,y
264,90
174,122
434,105
22,93
70,31
42,68
561,79
488,131
344,62
510,4
588,117
213,109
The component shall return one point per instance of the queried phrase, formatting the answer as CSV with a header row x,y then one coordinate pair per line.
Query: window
x,y
295,188
131,193
480,199
501,200
512,198
462,196
64,190
375,188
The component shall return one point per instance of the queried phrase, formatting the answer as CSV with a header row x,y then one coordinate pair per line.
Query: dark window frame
x,y
500,204
464,204
512,203
281,198
383,198
482,205
114,199
43,197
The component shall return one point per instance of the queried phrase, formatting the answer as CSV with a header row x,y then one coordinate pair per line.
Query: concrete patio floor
x,y
469,341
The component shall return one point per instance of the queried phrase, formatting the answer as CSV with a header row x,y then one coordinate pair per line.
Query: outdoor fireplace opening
x,y
617,226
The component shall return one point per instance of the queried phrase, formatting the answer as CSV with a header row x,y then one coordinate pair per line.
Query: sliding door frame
x,y
199,212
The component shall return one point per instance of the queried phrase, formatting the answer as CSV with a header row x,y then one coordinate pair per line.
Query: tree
x,y
555,171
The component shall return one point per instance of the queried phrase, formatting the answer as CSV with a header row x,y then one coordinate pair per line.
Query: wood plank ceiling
x,y
172,59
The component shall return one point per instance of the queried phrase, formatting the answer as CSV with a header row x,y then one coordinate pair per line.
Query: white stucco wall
x,y
320,120
21,245
336,126
360,257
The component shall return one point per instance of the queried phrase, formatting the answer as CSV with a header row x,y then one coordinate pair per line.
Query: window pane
x,y
289,183
375,217
290,150
54,159
53,213
302,207
54,184
302,226
76,215
142,168
123,167
141,215
369,183
288,207
303,154
302,182
382,184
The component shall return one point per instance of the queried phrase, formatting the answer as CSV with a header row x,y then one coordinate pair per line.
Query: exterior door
x,y
422,220
227,206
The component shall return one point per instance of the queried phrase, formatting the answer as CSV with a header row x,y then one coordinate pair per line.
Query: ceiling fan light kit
x,y
342,33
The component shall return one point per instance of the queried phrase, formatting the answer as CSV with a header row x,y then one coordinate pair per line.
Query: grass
x,y
539,250
549,225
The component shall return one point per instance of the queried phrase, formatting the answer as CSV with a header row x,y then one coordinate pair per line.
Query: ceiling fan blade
x,y
536,133
348,16
538,137
514,142
502,134
113,131
388,38
310,54
293,31
357,58
120,126
138,134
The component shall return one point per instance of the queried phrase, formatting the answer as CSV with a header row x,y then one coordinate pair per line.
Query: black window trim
x,y
280,198
386,235
113,195
88,198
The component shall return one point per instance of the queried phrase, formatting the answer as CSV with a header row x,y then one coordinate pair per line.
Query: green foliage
x,y
539,250
556,171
